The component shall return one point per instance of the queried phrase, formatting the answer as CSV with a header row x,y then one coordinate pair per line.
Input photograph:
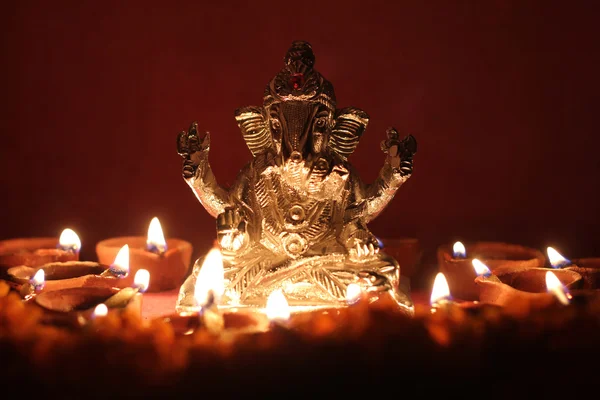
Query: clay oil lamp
x,y
442,300
445,317
167,261
37,251
455,263
588,268
406,250
73,306
131,296
209,289
521,291
73,274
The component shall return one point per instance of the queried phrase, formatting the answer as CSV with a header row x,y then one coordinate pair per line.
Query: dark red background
x,y
502,97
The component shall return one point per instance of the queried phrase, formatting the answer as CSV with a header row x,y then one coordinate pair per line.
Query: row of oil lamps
x,y
514,277
58,281
441,290
54,278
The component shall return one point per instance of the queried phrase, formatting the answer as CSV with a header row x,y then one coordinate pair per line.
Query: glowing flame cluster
x,y
156,239
69,241
210,287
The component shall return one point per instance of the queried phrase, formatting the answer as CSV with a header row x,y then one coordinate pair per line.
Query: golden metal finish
x,y
296,217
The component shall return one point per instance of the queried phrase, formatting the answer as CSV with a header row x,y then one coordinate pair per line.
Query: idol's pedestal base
x,y
163,303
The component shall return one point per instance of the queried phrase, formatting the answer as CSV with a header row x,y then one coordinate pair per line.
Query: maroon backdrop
x,y
501,97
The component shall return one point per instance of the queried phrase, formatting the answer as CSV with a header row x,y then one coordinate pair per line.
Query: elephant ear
x,y
253,125
350,123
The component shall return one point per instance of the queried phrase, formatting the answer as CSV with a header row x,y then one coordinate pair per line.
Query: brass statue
x,y
296,217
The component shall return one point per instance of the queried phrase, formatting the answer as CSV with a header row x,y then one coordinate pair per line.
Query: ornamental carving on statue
x,y
296,217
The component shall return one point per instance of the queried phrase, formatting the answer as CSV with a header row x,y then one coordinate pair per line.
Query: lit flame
x,y
555,286
440,291
120,266
156,239
100,311
480,268
277,307
38,280
379,243
210,283
69,241
459,250
353,293
556,259
141,280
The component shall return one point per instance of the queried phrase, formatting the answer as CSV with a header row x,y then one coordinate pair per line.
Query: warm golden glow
x,y
233,242
69,240
38,279
480,268
555,286
156,239
556,259
440,290
353,293
277,308
459,250
120,266
226,241
210,283
141,280
100,311
237,242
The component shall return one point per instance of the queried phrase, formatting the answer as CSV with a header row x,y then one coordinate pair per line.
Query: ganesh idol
x,y
295,219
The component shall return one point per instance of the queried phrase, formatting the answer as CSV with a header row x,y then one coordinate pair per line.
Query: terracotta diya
x,y
73,306
441,300
63,275
522,290
37,251
455,262
168,261
589,269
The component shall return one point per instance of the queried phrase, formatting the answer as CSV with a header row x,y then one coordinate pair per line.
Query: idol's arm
x,y
198,173
396,170
203,183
